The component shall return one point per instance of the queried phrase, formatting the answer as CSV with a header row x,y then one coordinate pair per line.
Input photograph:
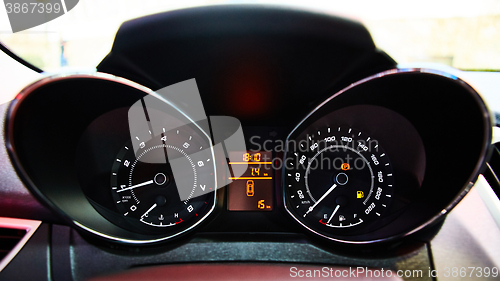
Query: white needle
x,y
333,214
146,213
320,199
137,185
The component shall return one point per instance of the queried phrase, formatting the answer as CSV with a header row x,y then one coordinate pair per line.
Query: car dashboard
x,y
303,148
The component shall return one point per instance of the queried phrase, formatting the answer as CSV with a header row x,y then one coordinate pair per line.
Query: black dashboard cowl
x,y
241,20
289,58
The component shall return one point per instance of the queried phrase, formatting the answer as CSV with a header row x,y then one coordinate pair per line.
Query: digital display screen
x,y
252,191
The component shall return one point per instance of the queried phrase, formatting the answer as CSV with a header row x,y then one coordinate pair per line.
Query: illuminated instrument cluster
x,y
252,191
366,165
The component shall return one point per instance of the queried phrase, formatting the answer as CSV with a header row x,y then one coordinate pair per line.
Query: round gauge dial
x,y
168,184
337,180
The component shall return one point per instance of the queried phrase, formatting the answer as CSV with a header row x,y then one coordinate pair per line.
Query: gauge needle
x,y
320,199
333,214
146,213
137,185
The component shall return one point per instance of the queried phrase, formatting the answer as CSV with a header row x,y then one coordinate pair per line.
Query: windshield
x,y
458,33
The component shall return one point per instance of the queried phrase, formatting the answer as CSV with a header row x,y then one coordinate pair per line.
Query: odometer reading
x,y
337,179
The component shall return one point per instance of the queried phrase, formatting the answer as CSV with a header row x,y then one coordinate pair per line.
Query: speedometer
x,y
337,180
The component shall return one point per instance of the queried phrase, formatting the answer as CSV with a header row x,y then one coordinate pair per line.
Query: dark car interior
x,y
288,76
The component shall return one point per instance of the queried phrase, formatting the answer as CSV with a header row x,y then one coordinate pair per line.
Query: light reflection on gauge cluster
x,y
144,187
337,179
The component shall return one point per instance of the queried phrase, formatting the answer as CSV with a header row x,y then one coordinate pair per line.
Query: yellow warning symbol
x,y
360,194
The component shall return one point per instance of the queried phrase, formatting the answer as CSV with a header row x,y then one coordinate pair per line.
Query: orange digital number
x,y
246,157
255,172
261,204
256,157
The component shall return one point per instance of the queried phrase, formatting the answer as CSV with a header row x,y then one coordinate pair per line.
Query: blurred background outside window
x,y
461,34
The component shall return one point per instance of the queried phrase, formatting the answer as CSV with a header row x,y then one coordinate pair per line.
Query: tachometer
x,y
337,180
144,188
